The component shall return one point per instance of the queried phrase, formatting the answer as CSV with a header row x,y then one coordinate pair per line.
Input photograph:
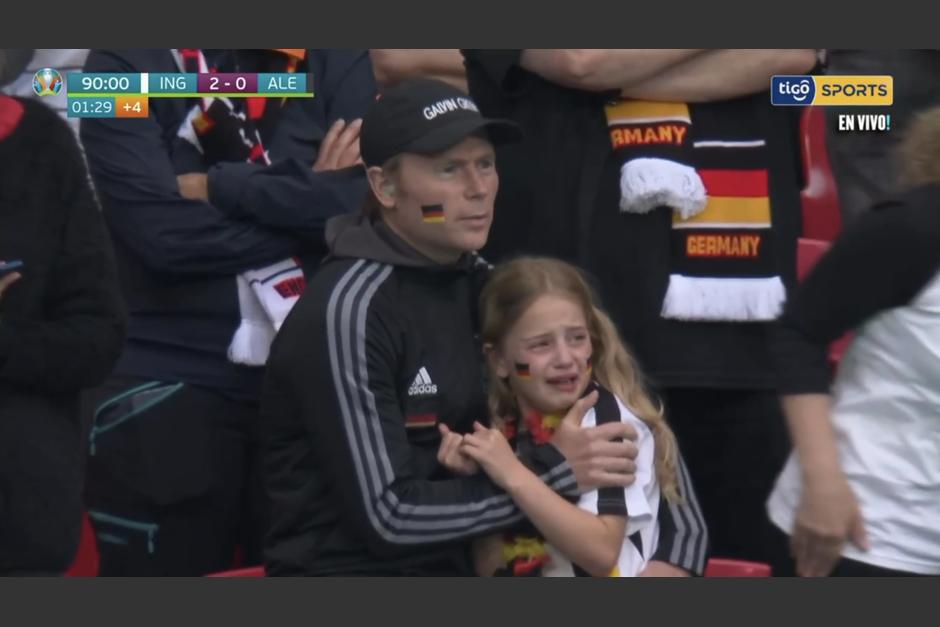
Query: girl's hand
x,y
449,454
489,448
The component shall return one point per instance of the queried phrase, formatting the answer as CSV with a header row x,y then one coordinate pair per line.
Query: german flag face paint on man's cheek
x,y
432,214
522,371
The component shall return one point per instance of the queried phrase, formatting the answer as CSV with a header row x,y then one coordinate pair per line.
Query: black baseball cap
x,y
425,116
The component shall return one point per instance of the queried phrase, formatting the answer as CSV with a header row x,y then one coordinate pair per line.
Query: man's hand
x,y
194,186
598,461
340,147
662,569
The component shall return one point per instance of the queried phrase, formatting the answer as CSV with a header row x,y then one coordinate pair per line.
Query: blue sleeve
x,y
288,194
136,183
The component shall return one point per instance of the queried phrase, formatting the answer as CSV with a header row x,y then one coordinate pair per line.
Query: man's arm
x,y
393,65
683,75
721,74
881,261
290,194
138,188
353,412
601,69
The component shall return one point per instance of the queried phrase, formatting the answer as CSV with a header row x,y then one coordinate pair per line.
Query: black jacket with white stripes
x,y
378,351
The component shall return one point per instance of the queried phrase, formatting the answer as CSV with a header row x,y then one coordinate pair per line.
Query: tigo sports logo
x,y
792,90
832,90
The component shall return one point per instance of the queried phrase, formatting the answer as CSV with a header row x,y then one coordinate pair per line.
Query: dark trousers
x,y
735,443
843,568
42,456
850,568
173,483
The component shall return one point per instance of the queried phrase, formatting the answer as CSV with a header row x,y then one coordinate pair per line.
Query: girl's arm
x,y
590,541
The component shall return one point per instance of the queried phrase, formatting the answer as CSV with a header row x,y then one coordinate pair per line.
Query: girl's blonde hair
x,y
508,294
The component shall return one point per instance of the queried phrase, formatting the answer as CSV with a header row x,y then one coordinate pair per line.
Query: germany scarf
x,y
231,130
707,164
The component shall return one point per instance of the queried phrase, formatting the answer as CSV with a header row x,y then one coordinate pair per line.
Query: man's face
x,y
443,204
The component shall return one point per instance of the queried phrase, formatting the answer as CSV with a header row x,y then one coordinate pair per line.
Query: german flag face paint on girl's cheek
x,y
522,371
432,214
589,365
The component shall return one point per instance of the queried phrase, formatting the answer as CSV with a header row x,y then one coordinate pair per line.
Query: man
x,y
603,129
381,350
216,207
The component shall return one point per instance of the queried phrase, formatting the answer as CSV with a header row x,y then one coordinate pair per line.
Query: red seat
x,y
86,560
253,571
808,254
820,198
719,567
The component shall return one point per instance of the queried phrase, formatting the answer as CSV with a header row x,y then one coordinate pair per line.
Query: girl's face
x,y
546,355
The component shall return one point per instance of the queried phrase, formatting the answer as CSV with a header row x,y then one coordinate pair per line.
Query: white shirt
x,y
886,415
642,506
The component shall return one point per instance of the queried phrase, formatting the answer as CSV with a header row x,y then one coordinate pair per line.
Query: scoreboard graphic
x,y
127,95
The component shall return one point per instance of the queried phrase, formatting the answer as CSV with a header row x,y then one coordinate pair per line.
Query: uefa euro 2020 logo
x,y
47,82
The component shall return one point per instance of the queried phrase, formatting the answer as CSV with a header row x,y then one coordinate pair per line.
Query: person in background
x,y
669,177
62,324
216,207
863,164
64,61
860,495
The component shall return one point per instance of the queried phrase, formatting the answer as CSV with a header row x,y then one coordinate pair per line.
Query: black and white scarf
x,y
710,168
225,129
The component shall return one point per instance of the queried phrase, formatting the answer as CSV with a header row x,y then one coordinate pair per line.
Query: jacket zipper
x,y
149,528
97,430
